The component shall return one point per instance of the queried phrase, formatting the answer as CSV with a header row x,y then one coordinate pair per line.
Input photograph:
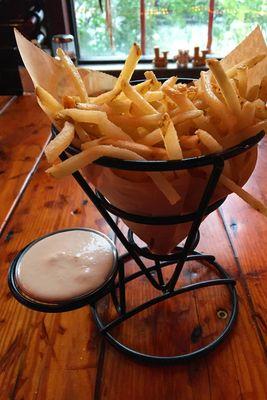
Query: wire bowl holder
x,y
117,287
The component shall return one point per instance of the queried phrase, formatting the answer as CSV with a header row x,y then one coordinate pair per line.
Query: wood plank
x,y
44,356
4,100
234,370
247,231
25,130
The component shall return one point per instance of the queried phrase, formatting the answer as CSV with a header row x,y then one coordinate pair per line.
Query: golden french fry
x,y
155,95
151,76
249,63
242,77
184,116
185,104
260,109
217,106
189,142
225,85
119,106
73,72
92,143
247,197
169,82
129,65
91,106
60,143
106,127
263,89
88,156
247,115
145,151
91,116
212,145
142,131
152,138
143,87
83,135
253,93
48,102
129,122
137,99
170,139
254,129
105,97
70,101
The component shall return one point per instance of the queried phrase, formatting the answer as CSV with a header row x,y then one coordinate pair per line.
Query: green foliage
x,y
232,21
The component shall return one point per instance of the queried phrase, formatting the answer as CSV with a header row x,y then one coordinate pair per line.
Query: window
x,y
106,29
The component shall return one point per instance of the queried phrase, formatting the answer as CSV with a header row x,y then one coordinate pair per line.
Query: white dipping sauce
x,y
65,265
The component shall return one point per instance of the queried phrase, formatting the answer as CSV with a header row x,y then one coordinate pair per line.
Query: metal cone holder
x,y
117,285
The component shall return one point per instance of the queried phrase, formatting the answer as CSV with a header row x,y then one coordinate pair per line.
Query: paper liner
x,y
144,198
135,192
46,71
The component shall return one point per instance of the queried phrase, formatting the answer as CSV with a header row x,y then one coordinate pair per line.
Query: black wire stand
x,y
117,287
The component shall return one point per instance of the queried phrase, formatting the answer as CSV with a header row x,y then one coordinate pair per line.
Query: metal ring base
x,y
105,329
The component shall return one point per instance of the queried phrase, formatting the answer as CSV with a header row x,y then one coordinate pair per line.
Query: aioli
x,y
65,265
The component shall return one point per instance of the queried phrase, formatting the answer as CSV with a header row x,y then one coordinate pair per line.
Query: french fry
x,y
263,89
91,106
143,87
74,74
247,115
212,145
105,97
83,135
242,77
91,116
189,142
70,101
249,63
92,143
145,151
137,99
184,116
155,121
155,95
129,65
169,82
88,156
120,106
142,131
60,142
247,197
260,109
152,138
47,101
107,128
254,129
151,76
226,87
170,139
253,93
217,107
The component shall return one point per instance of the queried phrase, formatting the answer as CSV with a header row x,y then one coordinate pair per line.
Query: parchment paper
x,y
144,197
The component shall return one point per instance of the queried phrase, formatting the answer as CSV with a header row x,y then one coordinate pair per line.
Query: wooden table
x,y
62,356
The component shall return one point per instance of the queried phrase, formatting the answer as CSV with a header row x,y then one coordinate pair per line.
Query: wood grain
x,y
199,379
24,131
4,100
247,232
45,356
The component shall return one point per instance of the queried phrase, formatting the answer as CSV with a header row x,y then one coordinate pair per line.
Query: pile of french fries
x,y
157,121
